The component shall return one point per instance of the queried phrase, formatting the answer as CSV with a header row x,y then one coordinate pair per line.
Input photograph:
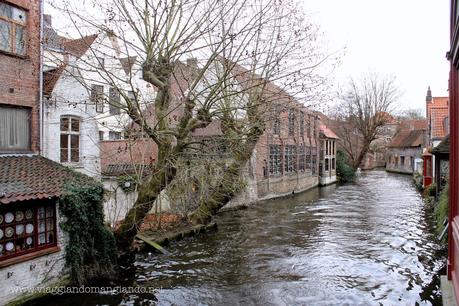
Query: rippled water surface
x,y
366,243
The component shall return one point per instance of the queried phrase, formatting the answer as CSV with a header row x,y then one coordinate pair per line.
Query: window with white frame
x,y
13,22
14,128
70,139
275,162
301,158
97,97
27,229
114,105
112,135
290,158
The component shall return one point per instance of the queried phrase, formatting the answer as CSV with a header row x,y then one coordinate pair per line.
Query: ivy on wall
x,y
91,250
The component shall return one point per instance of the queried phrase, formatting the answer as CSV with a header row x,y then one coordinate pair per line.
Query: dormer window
x,y
13,23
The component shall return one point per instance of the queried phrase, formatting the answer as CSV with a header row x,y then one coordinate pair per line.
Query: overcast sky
x,y
406,38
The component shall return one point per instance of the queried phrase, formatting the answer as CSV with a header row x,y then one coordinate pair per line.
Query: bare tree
x,y
365,106
241,46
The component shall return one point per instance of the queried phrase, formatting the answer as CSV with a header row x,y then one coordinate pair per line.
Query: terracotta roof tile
x,y
327,132
438,122
414,124
51,77
31,177
78,47
127,63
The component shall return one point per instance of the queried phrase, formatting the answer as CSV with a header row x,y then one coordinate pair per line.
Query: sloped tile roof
x,y
408,138
414,124
127,63
78,47
327,132
443,147
32,177
51,77
438,122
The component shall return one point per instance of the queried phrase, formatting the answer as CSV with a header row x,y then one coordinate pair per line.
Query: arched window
x,y
70,139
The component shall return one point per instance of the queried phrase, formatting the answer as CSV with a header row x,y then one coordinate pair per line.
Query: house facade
x,y
287,154
80,109
327,165
405,150
31,240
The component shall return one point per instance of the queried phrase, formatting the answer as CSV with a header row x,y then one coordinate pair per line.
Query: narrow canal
x,y
366,243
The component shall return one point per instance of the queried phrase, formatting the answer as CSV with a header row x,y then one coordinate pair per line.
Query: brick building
x,y
31,239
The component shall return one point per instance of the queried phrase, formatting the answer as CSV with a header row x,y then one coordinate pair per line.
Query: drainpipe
x,y
41,77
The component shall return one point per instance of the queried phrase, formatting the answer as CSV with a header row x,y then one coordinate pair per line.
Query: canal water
x,y
366,243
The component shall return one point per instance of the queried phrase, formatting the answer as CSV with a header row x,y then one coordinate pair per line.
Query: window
x,y
314,159
114,106
402,160
14,128
13,23
326,147
301,158
100,62
275,165
308,158
97,97
290,158
114,135
308,123
302,125
131,95
327,164
333,164
291,122
101,135
70,139
25,230
276,127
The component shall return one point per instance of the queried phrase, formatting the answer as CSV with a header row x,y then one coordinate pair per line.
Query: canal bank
x,y
358,244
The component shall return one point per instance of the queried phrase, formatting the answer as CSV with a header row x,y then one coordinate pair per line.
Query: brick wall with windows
x,y
20,65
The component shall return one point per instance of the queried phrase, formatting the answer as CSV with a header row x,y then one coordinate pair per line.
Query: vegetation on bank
x,y
345,172
441,211
90,252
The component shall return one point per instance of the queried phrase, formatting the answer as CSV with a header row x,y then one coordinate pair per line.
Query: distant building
x,y
437,113
405,151
327,164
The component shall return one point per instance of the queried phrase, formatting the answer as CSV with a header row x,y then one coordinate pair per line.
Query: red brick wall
x,y
284,138
116,152
19,77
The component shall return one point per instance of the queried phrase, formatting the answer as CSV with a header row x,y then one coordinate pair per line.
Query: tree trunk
x,y
363,152
229,184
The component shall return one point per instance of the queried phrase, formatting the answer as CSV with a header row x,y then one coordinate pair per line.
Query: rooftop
x,y
21,178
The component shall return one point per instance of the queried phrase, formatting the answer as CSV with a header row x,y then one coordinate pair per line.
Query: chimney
x,y
48,20
192,62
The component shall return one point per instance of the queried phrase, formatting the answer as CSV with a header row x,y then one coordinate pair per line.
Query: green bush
x,y
431,190
344,171
441,210
91,251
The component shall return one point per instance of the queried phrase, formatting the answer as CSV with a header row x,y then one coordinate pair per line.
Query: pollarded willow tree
x,y
208,60
365,106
